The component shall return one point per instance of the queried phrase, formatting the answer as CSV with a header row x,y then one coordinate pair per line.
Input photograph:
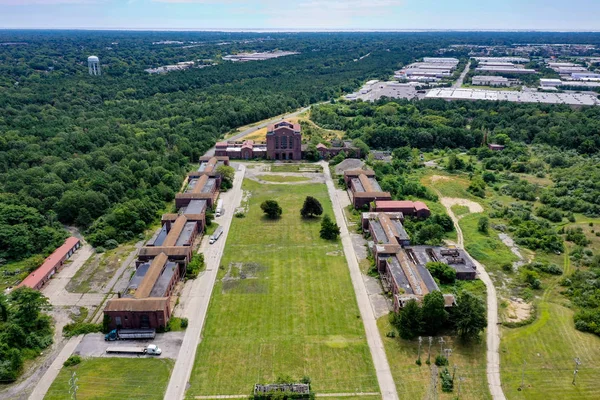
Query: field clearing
x,y
282,178
294,167
549,346
413,381
110,378
98,270
260,135
283,305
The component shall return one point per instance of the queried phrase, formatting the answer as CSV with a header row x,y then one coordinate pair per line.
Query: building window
x,y
284,142
276,142
118,321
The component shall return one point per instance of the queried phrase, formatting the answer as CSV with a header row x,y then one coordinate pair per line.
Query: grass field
x,y
282,178
413,381
294,314
114,378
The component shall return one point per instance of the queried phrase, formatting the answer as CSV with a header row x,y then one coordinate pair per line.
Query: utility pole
x,y
419,353
429,351
73,386
460,379
577,364
448,353
442,341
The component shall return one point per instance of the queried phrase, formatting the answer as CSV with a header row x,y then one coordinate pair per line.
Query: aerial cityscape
x,y
343,200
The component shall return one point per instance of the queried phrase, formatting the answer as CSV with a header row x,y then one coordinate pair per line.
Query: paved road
x,y
460,80
248,131
492,331
199,297
382,368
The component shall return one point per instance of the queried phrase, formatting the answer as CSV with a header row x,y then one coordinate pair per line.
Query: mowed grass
x,y
114,378
548,347
413,381
282,178
294,167
294,315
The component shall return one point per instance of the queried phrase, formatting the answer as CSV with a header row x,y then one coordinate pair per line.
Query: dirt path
x,y
492,331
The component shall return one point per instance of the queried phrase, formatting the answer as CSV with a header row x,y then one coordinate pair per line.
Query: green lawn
x,y
294,314
412,381
282,178
114,378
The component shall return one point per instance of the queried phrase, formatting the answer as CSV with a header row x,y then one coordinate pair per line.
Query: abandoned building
x,y
284,141
363,188
202,188
244,150
145,303
337,146
175,239
52,264
408,208
402,267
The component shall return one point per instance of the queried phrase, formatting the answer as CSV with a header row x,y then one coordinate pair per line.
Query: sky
x,y
573,15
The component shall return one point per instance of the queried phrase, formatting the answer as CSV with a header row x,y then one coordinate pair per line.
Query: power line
x,y
577,364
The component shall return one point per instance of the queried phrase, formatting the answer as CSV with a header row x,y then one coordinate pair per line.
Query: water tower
x,y
94,65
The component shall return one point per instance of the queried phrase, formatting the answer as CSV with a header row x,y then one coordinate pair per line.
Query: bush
x,y
184,323
442,271
447,381
240,214
329,229
71,361
81,328
440,361
483,225
195,266
271,208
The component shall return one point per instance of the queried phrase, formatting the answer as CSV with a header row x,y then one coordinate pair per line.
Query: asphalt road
x,y
198,298
382,367
492,331
460,80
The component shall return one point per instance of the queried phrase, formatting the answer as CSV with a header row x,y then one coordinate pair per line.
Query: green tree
x,y
454,163
26,306
227,174
312,207
469,316
409,320
329,229
442,271
434,312
362,146
271,208
312,154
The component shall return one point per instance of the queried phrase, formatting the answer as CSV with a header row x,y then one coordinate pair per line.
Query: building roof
x,y
357,172
151,276
283,124
176,230
33,279
139,305
577,99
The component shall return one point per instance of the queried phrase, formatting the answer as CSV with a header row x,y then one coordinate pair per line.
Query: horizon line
x,y
297,30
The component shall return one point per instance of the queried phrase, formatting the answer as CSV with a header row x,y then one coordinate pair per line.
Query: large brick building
x,y
408,208
284,141
402,267
363,188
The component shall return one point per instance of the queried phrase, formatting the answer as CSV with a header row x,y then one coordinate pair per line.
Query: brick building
x,y
51,265
327,152
406,207
244,150
363,188
175,239
402,267
284,141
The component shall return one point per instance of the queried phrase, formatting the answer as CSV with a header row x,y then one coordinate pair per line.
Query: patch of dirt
x,y
334,253
439,178
517,310
448,202
244,278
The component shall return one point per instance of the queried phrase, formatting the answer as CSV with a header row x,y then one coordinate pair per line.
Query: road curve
x,y
382,367
492,331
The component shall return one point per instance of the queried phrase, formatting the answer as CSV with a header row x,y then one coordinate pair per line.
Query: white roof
x,y
514,96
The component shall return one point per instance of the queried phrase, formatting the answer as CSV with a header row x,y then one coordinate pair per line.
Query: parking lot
x,y
94,345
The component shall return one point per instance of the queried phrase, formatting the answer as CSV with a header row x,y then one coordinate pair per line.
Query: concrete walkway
x,y
382,368
198,298
46,381
492,331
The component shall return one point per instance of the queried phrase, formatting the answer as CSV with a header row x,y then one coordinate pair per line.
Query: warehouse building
x,y
406,207
505,70
518,60
574,99
487,80
243,150
51,265
173,239
363,188
202,188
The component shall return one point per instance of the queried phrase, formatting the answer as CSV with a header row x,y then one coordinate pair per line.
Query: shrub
x,y
442,271
195,266
184,323
271,208
329,229
447,381
440,361
240,214
81,328
71,361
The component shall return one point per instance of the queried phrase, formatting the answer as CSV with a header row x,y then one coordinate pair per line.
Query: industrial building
x,y
51,265
175,239
574,99
244,57
550,83
406,207
244,150
402,267
588,76
202,188
487,80
363,188
506,70
395,90
430,69
284,141
518,60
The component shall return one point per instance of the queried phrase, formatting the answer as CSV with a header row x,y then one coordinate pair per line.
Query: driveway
x,y
195,300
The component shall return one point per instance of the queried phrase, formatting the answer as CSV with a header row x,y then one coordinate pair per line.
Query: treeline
x,y
438,124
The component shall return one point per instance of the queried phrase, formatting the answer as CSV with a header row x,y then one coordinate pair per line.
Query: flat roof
x,y
186,234
577,99
194,207
159,237
490,78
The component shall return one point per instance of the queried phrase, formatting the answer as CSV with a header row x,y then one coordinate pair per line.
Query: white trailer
x,y
215,236
219,210
151,349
